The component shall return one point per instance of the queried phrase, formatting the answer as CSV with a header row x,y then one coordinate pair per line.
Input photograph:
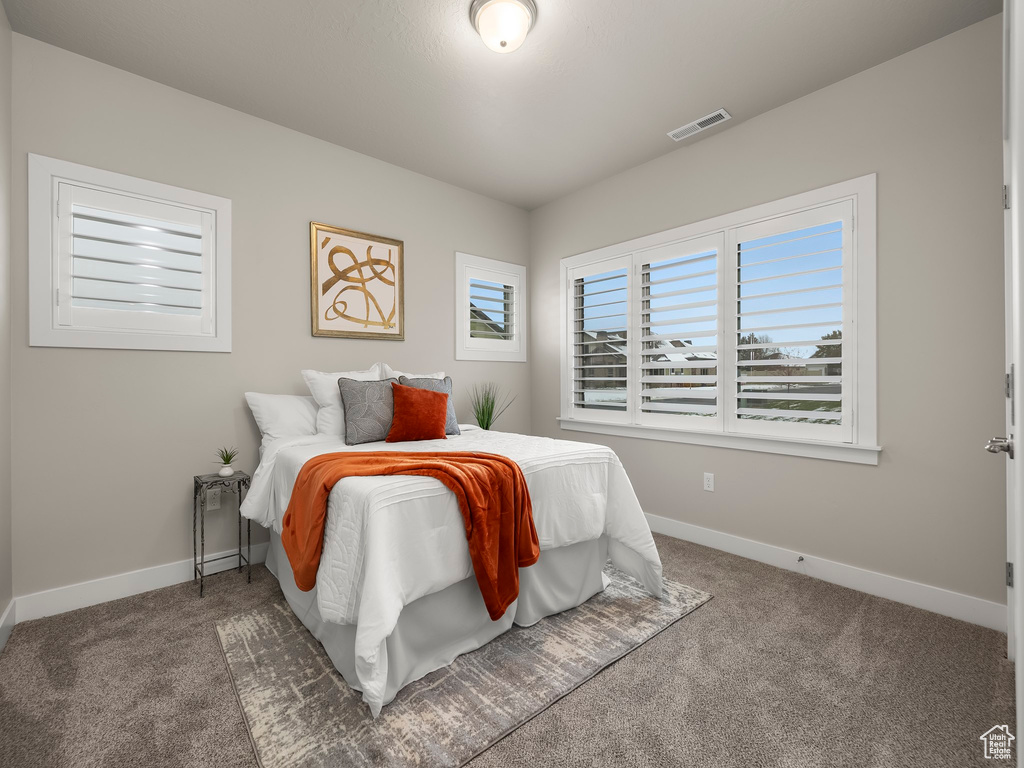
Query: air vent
x,y
700,125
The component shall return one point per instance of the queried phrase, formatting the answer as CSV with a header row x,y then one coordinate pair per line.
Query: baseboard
x,y
935,599
62,599
6,623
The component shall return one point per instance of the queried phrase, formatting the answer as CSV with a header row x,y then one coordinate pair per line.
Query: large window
x,y
126,263
753,330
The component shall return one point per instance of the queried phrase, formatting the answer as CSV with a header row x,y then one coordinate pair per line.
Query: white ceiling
x,y
592,92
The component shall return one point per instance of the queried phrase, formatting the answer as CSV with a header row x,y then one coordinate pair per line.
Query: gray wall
x,y
5,312
108,440
928,123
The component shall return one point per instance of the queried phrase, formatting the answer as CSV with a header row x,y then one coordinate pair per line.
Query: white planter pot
x,y
226,471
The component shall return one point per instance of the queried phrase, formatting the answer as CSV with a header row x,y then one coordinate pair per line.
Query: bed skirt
x,y
433,630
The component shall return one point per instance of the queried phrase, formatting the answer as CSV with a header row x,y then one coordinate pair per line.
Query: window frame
x,y
45,177
859,319
468,267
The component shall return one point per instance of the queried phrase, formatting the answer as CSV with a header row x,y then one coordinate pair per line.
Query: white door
x,y
1013,20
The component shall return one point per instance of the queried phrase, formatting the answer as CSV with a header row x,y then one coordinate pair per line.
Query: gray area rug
x,y
301,712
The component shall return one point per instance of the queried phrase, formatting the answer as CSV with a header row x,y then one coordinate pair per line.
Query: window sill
x,y
494,356
71,338
854,454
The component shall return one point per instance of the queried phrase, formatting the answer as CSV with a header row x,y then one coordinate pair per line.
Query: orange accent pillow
x,y
420,414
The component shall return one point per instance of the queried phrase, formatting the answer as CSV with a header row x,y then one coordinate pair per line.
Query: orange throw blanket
x,y
491,492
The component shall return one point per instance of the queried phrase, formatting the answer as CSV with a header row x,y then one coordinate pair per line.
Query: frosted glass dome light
x,y
503,24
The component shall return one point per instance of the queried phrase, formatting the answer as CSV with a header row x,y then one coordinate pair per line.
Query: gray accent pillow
x,y
369,409
451,425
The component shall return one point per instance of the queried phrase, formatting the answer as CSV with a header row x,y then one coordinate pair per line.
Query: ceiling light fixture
x,y
503,24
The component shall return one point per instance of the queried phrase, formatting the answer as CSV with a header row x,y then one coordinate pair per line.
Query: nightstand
x,y
237,484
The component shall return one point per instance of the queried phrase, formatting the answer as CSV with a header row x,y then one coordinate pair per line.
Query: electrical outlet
x,y
709,482
212,499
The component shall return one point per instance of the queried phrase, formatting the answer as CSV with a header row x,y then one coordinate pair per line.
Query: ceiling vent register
x,y
700,125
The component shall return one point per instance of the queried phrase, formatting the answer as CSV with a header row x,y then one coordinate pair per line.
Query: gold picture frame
x,y
357,284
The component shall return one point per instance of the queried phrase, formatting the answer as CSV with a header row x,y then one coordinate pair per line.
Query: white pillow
x,y
283,415
330,419
391,373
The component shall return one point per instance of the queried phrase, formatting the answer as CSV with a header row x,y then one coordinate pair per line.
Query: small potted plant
x,y
489,402
226,456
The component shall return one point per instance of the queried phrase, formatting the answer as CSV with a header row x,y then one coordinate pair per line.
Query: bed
x,y
395,597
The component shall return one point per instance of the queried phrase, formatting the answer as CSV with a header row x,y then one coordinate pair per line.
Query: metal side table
x,y
238,484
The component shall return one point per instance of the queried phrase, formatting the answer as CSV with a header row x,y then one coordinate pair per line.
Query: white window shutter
x,y
490,309
793,322
129,264
679,334
120,262
601,345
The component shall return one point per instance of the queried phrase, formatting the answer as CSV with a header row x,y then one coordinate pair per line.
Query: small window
x,y
490,311
118,262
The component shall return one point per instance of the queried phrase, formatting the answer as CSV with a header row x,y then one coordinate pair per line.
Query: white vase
x,y
226,471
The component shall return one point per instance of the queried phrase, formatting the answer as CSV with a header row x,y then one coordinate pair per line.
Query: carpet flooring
x,y
779,671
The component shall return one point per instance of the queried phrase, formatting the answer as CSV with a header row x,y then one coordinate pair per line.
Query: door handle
x,y
1000,445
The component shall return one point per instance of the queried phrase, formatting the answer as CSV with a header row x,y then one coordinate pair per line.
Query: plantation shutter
x,y
127,263
492,308
490,311
794,352
600,306
754,329
679,333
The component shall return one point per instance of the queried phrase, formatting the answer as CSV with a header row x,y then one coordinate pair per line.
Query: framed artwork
x,y
358,284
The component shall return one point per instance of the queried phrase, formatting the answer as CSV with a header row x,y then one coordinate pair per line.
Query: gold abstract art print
x,y
358,284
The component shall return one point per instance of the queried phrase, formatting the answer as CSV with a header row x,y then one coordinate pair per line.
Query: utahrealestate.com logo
x,y
997,742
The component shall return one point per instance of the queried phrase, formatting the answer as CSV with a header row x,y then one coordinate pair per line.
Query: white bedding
x,y
391,540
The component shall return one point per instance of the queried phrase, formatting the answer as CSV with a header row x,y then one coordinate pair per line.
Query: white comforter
x,y
391,540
